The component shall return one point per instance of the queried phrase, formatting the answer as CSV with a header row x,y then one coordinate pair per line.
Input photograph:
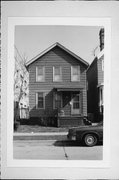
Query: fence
x,y
24,113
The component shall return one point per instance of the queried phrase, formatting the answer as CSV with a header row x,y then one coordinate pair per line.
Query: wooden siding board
x,y
84,102
100,71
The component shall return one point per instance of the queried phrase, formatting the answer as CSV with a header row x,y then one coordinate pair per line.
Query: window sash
x,y
57,73
76,101
75,73
40,100
40,73
57,104
76,105
57,100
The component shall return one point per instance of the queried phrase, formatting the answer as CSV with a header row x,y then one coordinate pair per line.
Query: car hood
x,y
78,128
87,127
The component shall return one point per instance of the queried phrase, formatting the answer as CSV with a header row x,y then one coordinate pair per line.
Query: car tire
x,y
90,140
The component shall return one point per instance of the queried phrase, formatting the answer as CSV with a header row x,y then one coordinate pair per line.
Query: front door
x,y
75,104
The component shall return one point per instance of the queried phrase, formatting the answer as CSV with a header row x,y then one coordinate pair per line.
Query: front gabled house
x,y
57,87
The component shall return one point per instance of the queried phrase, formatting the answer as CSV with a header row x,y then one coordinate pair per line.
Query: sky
x,y
81,40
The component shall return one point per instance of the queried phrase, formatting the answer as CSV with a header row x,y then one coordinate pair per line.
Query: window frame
x,y
43,74
73,110
72,73
54,94
43,100
54,74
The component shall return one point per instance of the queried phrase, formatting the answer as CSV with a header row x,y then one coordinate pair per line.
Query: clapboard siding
x,y
51,59
84,102
95,78
55,56
100,71
92,79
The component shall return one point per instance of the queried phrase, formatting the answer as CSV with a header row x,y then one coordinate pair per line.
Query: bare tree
x,y
20,80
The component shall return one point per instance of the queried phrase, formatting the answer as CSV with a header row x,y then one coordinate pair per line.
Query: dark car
x,y
89,135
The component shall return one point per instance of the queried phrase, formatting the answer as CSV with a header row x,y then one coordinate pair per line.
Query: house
x,y
57,87
95,79
21,94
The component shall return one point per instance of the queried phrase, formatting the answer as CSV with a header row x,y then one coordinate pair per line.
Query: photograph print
x,y
58,92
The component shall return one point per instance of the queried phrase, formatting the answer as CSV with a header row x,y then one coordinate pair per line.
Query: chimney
x,y
101,35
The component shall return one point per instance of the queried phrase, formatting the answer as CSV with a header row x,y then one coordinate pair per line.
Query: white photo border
x,y
106,23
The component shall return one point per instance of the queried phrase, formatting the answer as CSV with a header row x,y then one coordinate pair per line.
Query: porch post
x,y
58,123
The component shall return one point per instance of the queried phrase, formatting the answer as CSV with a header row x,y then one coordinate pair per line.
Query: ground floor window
x,y
57,100
40,100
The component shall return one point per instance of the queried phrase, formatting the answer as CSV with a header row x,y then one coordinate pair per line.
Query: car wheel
x,y
90,140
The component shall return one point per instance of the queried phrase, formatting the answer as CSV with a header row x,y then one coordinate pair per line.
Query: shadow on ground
x,y
71,143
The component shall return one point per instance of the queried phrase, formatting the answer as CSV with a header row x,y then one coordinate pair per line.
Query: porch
x,y
69,105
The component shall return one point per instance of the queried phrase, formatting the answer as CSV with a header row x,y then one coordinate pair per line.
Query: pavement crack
x,y
66,156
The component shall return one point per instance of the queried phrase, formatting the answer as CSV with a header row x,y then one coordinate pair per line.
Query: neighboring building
x,y
21,94
21,81
95,79
57,87
0,68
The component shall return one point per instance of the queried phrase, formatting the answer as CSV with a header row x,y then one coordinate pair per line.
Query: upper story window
x,y
40,73
57,73
75,73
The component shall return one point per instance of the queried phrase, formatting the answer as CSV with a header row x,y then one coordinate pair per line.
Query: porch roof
x,y
72,89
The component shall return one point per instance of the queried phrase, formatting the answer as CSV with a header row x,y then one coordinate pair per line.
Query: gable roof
x,y
51,47
101,53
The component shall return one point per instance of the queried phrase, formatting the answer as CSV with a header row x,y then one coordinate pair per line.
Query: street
x,y
55,150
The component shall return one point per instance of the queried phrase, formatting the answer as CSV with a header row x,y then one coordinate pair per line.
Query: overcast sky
x,y
31,40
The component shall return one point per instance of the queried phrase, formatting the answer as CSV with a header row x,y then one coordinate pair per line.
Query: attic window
x,y
40,73
75,73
